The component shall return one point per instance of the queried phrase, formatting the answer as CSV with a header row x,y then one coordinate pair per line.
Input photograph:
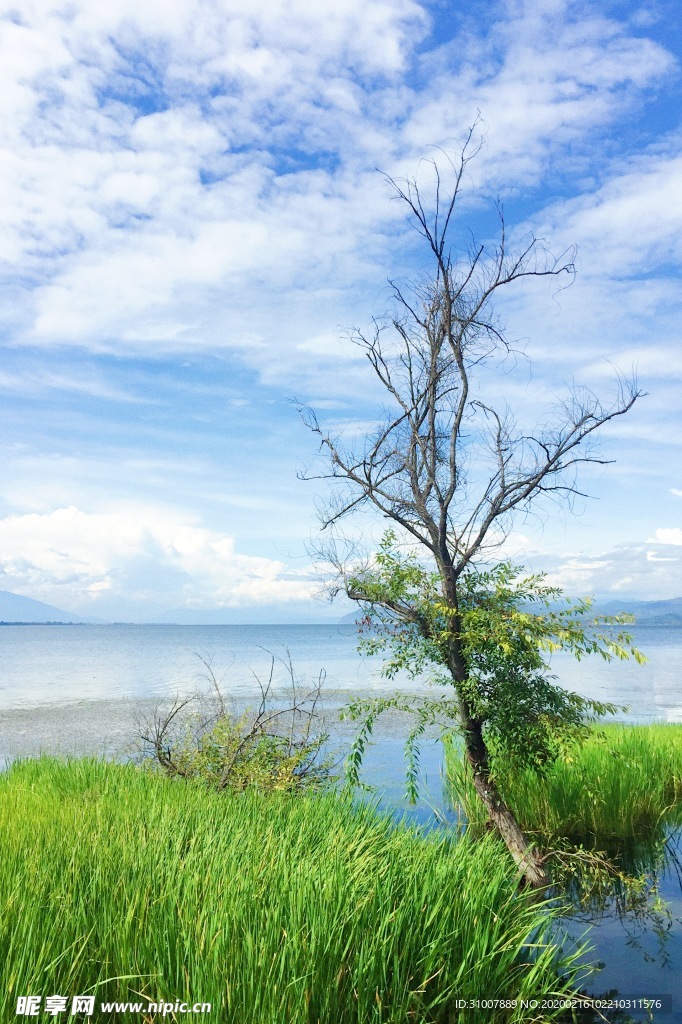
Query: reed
x,y
273,907
620,792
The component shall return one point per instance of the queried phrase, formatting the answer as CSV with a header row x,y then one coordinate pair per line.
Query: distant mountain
x,y
647,613
15,608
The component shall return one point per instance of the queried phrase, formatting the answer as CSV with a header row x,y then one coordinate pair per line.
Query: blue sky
x,y
192,217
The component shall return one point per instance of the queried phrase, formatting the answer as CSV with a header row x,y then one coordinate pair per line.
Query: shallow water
x,y
47,665
635,962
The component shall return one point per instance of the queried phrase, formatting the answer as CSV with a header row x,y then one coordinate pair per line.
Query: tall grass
x,y
275,908
620,792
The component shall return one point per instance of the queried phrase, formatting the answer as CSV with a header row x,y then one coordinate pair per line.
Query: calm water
x,y
59,665
76,688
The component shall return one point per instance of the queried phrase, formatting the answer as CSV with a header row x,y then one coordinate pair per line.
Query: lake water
x,y
81,688
59,665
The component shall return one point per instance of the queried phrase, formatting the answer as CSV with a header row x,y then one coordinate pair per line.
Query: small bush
x,y
279,745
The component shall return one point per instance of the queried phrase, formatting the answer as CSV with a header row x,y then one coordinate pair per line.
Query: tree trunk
x,y
525,855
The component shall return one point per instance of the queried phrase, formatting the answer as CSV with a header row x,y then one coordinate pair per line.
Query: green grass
x,y
276,908
620,792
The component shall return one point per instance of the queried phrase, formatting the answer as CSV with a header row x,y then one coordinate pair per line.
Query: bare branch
x,y
446,465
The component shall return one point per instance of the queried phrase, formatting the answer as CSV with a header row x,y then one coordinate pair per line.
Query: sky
x,y
194,217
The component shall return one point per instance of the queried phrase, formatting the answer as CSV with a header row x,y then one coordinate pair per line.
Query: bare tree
x,y
448,465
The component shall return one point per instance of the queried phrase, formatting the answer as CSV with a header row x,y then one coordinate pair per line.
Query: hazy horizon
x,y
230,617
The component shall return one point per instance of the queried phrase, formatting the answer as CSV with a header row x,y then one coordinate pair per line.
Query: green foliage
x,y
620,789
271,906
403,616
504,626
441,712
606,810
230,755
280,745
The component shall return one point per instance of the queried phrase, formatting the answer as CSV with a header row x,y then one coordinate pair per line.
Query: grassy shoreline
x,y
275,908
284,908
623,784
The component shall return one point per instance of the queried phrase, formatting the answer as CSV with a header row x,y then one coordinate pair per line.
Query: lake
x,y
50,665
81,689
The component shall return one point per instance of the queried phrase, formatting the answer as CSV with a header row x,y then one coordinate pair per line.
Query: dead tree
x,y
448,464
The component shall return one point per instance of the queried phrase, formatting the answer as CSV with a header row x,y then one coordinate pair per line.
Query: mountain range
x,y
650,613
647,613
17,609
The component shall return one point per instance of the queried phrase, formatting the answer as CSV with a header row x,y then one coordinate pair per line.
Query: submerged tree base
x,y
605,812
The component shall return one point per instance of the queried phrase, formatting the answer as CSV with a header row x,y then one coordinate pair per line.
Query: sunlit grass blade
x,y
272,907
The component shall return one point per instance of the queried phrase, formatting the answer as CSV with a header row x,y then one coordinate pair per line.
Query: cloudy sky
x,y
192,217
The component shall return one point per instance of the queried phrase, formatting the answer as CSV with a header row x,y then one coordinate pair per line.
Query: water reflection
x,y
635,934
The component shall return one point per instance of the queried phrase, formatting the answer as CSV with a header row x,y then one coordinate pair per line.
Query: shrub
x,y
279,745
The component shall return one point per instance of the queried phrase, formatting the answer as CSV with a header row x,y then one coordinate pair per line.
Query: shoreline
x,y
110,727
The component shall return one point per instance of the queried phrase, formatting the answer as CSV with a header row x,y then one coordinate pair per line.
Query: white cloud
x,y
75,559
635,571
44,381
652,556
194,175
632,569
667,535
135,222
544,75
633,221
107,203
